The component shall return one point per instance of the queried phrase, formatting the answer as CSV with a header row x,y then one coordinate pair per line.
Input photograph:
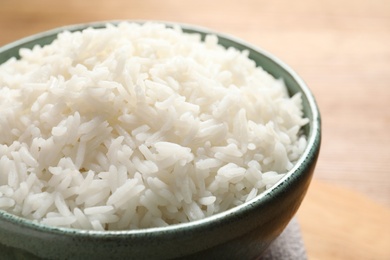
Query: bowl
x,y
243,232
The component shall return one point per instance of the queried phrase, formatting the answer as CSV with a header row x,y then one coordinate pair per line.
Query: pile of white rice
x,y
137,126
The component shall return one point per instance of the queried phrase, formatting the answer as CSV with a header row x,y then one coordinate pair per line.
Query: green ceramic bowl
x,y
243,232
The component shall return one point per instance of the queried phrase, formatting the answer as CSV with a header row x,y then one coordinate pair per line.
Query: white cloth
x,y
288,246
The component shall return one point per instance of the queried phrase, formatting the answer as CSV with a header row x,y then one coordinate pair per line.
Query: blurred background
x,y
341,48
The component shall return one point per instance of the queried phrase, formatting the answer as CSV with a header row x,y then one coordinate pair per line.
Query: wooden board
x,y
341,224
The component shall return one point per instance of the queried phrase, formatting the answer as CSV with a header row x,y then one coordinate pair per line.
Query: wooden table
x,y
340,48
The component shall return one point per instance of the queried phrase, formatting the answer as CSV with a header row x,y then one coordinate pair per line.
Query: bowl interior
x,y
266,60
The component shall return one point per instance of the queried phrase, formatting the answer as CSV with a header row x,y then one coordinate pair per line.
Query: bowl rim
x,y
313,142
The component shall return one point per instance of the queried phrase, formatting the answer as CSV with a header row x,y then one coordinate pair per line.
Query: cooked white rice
x,y
137,126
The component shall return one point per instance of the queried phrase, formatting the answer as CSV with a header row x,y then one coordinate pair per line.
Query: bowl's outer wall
x,y
244,236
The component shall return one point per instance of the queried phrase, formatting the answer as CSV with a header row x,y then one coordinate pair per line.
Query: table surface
x,y
340,48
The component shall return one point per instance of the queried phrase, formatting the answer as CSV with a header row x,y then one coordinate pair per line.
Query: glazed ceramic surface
x,y
243,232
